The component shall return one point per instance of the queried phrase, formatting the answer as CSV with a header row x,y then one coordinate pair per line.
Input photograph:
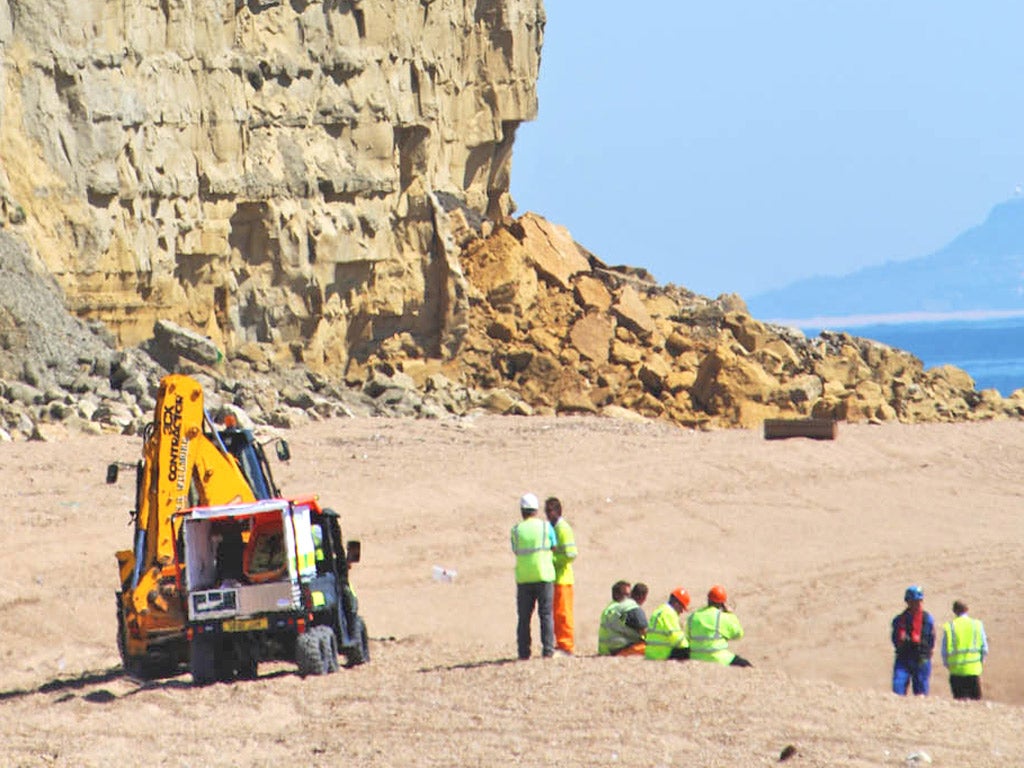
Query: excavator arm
x,y
183,465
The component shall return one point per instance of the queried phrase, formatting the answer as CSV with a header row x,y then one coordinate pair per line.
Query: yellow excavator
x,y
187,462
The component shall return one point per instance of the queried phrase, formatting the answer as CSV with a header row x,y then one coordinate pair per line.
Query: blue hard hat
x,y
913,593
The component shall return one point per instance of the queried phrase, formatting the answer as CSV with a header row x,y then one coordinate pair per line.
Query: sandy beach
x,y
815,541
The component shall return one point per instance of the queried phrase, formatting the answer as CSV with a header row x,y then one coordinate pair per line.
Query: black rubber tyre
x,y
309,656
133,666
223,662
247,658
359,651
329,648
203,659
364,640
120,631
138,667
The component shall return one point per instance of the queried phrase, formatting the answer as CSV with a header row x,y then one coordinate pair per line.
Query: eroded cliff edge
x,y
305,203
264,171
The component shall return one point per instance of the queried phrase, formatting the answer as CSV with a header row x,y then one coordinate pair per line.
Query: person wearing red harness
x,y
913,638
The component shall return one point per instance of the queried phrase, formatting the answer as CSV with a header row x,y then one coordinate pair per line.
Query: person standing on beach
x,y
913,638
964,648
564,553
533,541
710,629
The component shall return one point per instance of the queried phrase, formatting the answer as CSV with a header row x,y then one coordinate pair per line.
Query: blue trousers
x,y
905,673
541,594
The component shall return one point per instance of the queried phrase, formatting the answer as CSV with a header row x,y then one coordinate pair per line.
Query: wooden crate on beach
x,y
816,429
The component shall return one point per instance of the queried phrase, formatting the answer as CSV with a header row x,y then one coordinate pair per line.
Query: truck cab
x,y
252,458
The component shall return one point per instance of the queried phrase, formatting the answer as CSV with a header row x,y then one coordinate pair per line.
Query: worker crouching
x,y
666,638
710,629
623,625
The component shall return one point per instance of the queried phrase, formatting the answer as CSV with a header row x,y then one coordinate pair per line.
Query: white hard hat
x,y
529,501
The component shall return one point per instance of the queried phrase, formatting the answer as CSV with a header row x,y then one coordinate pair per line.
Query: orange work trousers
x,y
565,623
636,649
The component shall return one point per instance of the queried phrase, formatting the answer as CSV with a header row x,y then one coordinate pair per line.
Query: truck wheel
x,y
203,659
247,658
120,632
329,649
224,661
364,640
359,651
309,657
136,667
131,665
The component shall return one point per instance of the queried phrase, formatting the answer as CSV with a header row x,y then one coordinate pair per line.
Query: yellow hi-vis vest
x,y
962,637
709,631
614,634
532,541
664,632
565,552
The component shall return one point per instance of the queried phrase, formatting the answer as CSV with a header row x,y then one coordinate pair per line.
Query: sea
x,y
991,350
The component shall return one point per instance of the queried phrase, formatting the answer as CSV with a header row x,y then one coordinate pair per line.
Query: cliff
x,y
306,204
261,171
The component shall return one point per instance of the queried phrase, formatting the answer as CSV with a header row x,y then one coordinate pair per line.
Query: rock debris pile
x,y
547,327
542,326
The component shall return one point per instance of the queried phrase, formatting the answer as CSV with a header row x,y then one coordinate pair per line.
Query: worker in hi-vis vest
x,y
623,625
710,629
666,638
564,553
533,541
964,648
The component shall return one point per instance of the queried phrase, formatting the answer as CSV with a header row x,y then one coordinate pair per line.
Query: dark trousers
x,y
542,594
907,672
965,686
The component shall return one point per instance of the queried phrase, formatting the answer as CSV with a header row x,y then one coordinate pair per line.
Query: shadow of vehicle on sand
x,y
69,687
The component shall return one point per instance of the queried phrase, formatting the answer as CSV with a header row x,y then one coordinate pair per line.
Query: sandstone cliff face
x,y
320,187
263,171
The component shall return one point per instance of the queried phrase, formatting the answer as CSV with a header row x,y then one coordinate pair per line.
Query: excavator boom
x,y
184,464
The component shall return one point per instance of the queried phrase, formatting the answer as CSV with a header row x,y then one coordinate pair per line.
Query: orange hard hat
x,y
682,596
717,594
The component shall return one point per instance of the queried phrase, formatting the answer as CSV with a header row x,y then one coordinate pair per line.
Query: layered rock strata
x,y
305,203
543,327
263,171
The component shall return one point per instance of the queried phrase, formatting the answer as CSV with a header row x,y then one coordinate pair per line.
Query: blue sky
x,y
739,146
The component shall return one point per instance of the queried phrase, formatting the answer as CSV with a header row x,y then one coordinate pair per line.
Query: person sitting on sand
x,y
666,638
623,625
639,593
710,629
